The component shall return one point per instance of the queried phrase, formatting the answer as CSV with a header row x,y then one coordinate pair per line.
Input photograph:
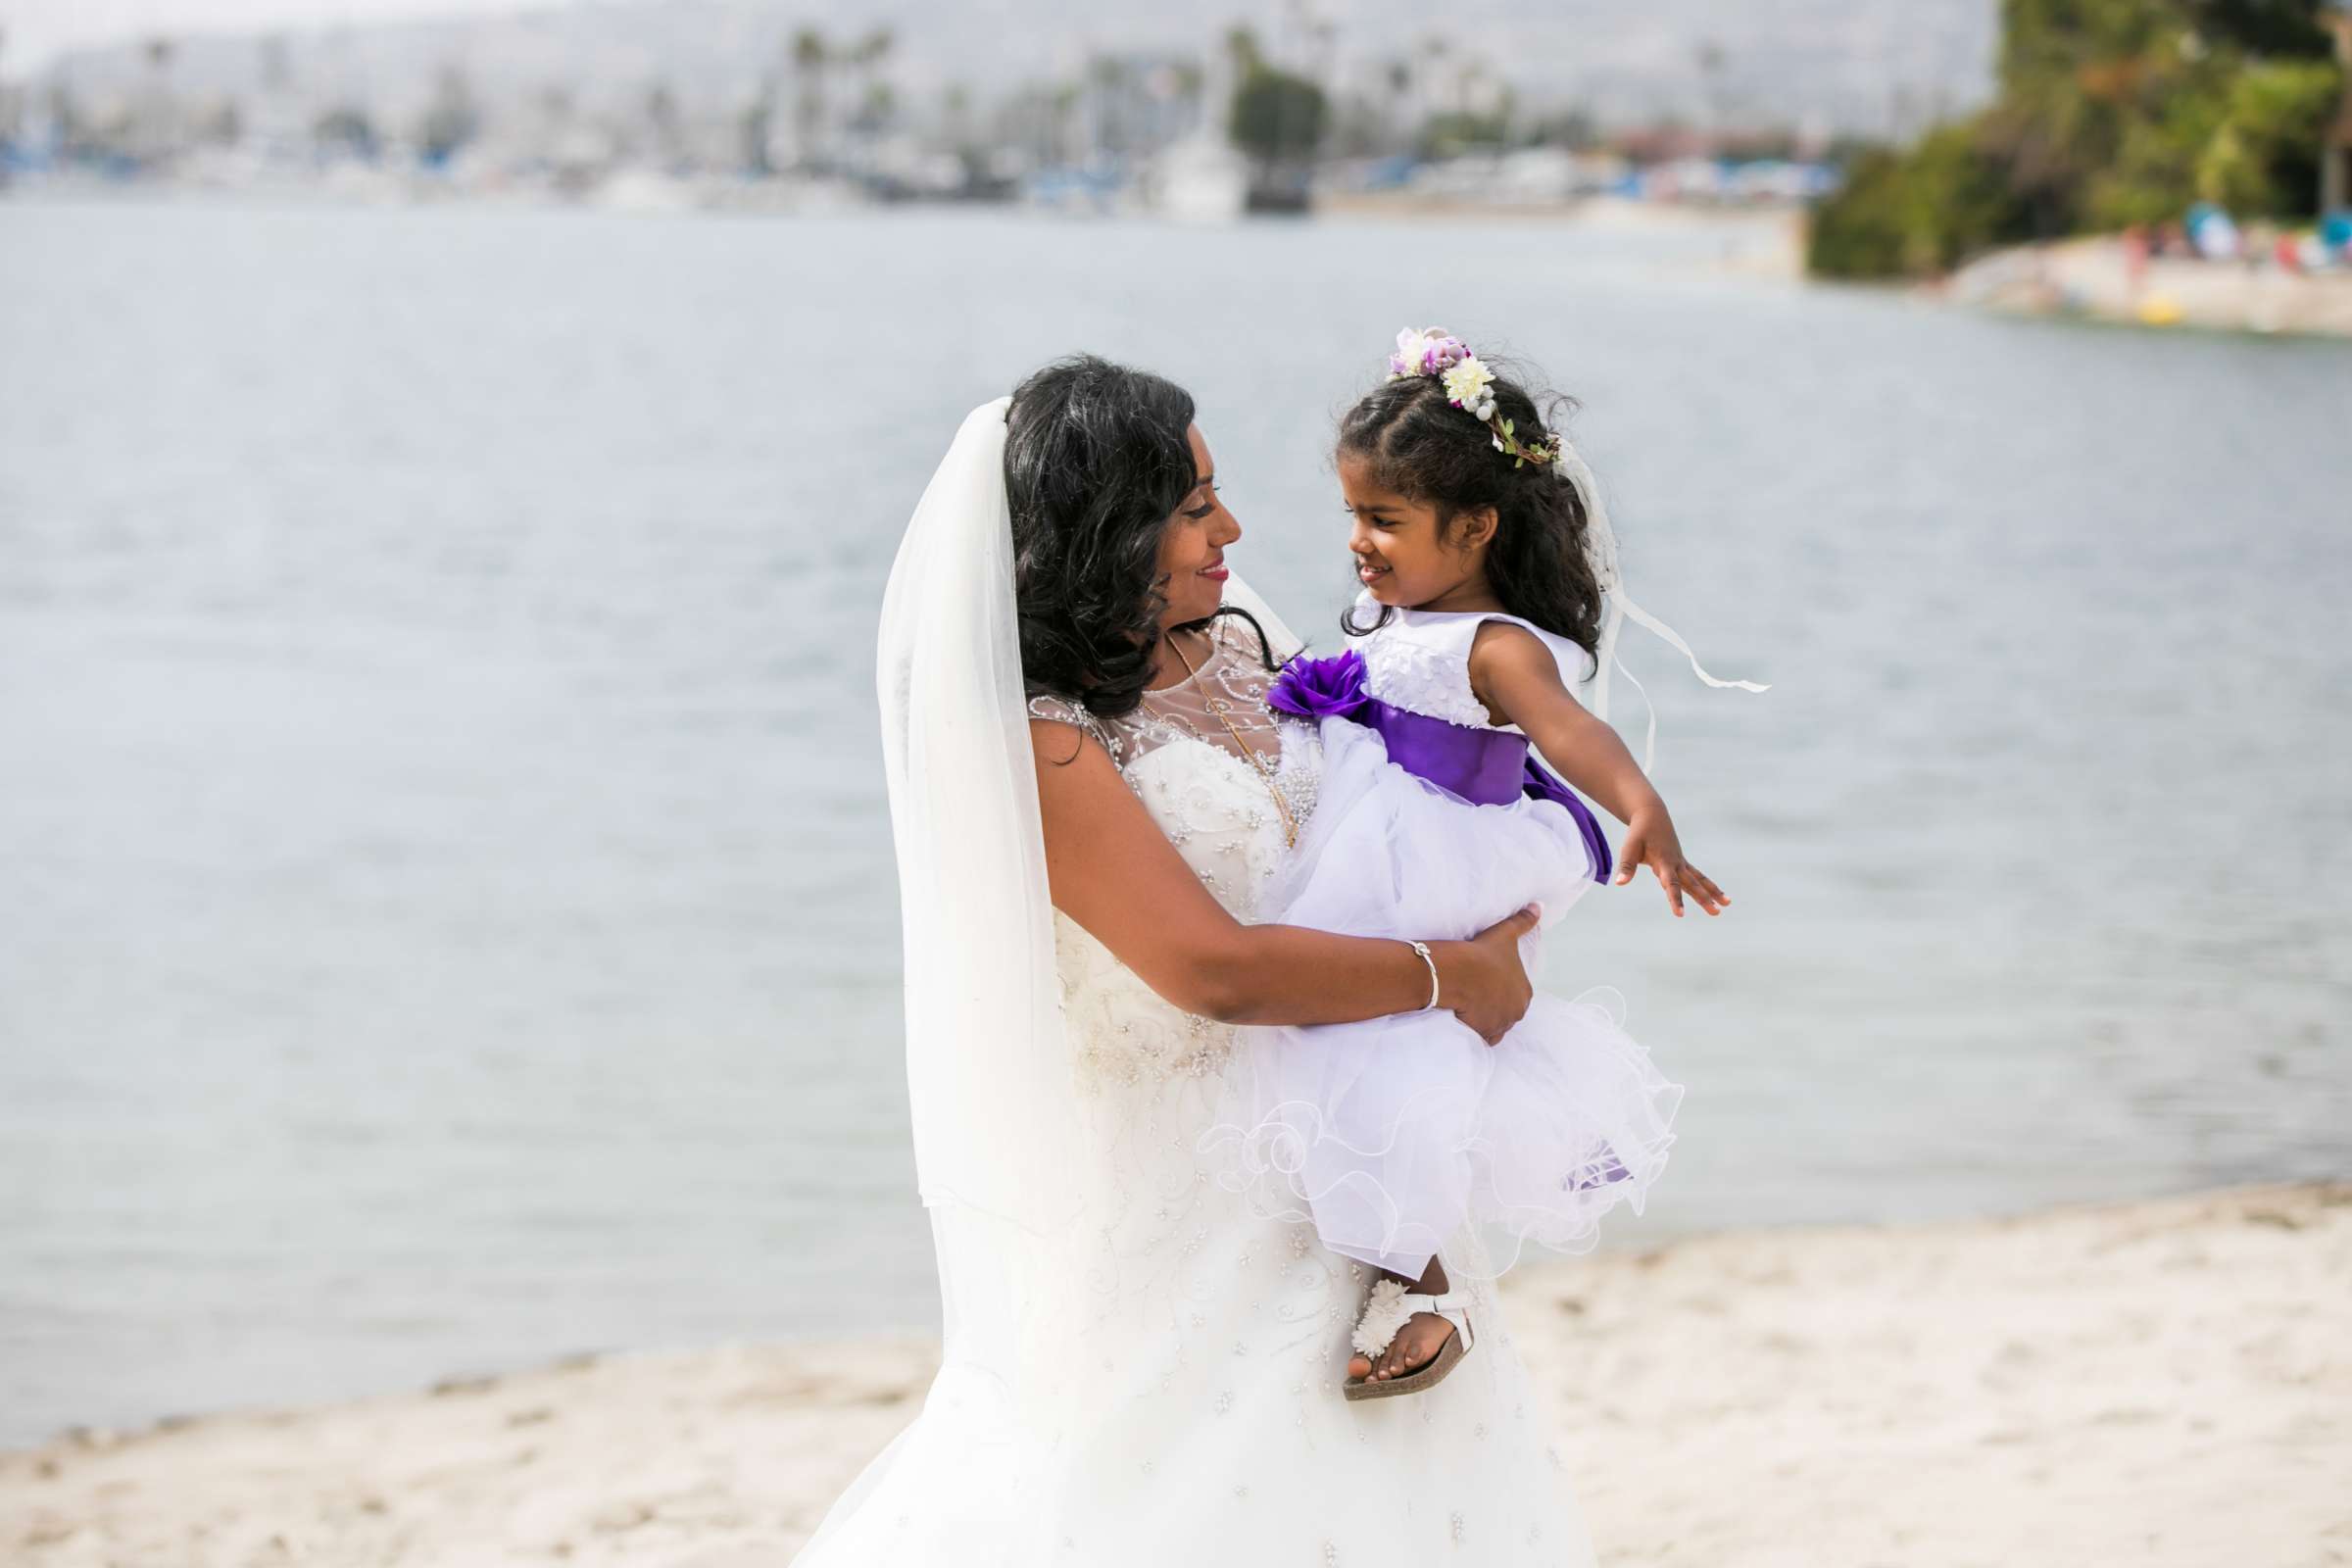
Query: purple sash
x,y
1483,767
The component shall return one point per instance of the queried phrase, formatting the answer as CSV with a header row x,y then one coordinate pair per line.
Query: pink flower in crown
x,y
1426,351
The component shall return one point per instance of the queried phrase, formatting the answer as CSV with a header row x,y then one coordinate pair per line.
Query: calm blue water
x,y
450,919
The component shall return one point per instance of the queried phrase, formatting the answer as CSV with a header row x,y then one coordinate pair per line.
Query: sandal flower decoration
x,y
1384,1313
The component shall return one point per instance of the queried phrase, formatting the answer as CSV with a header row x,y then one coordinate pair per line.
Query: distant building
x,y
156,124
277,120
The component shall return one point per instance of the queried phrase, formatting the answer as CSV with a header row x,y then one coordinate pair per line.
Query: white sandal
x,y
1389,1308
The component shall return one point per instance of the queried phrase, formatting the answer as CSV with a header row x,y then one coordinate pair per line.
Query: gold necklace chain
x,y
1218,706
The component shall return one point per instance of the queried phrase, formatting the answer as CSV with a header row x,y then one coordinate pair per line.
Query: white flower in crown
x,y
1425,351
1469,386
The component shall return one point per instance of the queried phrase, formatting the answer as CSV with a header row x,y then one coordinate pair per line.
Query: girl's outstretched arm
x,y
1515,675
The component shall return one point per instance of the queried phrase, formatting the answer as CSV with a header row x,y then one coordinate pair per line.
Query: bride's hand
x,y
1483,980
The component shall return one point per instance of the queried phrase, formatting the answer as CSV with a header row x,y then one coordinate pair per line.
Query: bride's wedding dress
x,y
1166,1388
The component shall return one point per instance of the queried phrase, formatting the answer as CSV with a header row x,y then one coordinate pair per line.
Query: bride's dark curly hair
x,y
1424,448
1097,458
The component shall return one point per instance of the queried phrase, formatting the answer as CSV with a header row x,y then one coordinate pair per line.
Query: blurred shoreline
x,y
2092,277
1764,240
2162,1380
2100,277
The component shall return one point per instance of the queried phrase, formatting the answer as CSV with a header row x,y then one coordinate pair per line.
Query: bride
x,y
1087,790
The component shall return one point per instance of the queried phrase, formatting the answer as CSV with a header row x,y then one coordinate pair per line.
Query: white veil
x,y
987,1069
988,1074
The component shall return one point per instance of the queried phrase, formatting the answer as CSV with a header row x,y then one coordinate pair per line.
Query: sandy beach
x,y
2163,1382
2092,277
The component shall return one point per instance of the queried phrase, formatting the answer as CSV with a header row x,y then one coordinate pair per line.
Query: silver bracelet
x,y
1422,948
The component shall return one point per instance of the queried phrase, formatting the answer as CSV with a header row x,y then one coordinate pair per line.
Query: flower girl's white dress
x,y
1173,1397
1400,1132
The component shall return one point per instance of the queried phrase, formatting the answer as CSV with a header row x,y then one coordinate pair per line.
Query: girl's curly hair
x,y
1422,447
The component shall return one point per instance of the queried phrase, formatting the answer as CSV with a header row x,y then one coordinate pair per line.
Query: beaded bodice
x,y
1212,790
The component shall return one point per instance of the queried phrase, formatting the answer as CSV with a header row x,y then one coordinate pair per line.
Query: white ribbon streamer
x,y
1600,549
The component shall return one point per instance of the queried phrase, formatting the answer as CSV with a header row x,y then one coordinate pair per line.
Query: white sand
x,y
2150,1383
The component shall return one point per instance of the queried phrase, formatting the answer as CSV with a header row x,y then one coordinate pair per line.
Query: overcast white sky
x,y
37,30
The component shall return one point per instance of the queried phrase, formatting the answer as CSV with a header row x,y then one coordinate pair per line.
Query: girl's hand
x,y
1649,840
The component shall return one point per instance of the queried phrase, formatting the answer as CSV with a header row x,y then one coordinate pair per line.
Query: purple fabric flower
x,y
1321,688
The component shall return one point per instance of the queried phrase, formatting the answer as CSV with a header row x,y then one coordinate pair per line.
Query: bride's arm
x,y
1116,874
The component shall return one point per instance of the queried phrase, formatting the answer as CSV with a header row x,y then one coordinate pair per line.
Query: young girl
x,y
1484,562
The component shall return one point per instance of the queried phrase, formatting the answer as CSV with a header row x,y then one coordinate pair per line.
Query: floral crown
x,y
1469,386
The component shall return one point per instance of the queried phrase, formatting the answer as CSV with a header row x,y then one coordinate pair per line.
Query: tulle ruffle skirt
x,y
1402,1134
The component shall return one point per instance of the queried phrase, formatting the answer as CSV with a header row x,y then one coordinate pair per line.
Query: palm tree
x,y
1241,47
811,55
874,97
1711,61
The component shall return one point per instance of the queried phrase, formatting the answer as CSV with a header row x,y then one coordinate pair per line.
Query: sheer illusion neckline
x,y
1191,673
1228,685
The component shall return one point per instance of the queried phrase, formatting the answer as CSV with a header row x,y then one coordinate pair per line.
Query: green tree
x,y
2278,29
1915,212
811,58
451,119
2265,156
876,98
1448,135
2109,113
1277,117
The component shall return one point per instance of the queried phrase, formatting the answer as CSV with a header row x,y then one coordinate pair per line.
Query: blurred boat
x,y
646,190
1199,180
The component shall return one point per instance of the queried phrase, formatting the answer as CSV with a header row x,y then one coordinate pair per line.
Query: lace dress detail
x,y
1265,757
1419,660
1228,690
1422,679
